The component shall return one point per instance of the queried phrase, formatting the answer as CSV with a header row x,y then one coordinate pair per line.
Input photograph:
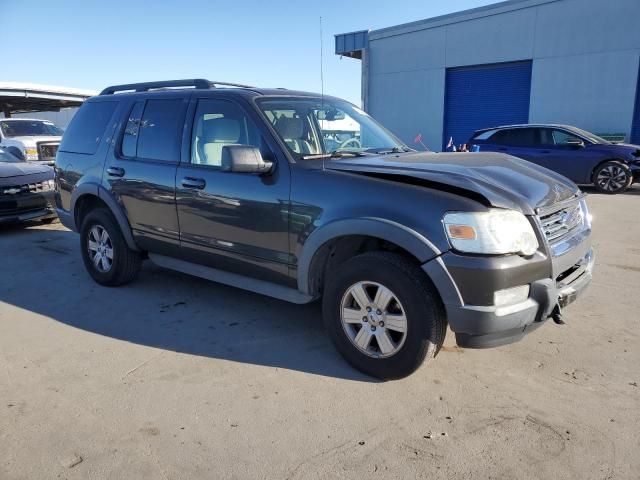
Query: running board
x,y
233,279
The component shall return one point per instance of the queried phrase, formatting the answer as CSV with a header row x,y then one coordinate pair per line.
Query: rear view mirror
x,y
244,159
331,115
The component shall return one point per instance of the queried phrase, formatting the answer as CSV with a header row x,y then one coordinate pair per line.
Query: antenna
x,y
321,84
321,65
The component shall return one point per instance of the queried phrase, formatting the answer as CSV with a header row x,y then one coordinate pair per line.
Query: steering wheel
x,y
353,140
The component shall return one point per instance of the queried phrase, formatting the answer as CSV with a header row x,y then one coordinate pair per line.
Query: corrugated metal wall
x,y
485,96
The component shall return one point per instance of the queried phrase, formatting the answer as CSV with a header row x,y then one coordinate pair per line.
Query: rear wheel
x,y
612,177
383,314
105,253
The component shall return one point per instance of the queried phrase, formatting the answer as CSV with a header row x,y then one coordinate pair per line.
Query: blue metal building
x,y
539,61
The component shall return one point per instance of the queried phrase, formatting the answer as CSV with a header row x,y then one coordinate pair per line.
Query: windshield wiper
x,y
386,151
337,154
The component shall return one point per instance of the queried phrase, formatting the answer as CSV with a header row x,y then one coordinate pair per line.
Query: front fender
x,y
415,243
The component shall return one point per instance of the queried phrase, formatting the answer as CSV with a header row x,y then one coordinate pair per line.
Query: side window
x,y
561,137
517,137
218,123
502,137
160,130
130,137
87,128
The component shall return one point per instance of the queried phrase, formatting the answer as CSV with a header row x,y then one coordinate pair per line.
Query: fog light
x,y
510,296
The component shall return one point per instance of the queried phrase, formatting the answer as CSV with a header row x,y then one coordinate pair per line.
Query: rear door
x,y
142,167
237,222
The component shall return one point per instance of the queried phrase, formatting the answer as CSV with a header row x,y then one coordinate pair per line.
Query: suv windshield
x,y
29,128
313,126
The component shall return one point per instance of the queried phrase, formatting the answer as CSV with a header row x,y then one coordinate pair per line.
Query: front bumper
x,y
486,326
25,207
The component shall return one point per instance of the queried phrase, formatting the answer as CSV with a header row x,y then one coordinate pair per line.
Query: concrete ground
x,y
177,378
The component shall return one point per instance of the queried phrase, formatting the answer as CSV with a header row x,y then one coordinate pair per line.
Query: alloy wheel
x,y
374,319
100,248
612,178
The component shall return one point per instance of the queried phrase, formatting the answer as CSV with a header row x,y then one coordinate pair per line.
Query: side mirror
x,y
575,143
244,159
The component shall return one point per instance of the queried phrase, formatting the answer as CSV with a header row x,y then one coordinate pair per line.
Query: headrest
x,y
290,128
221,130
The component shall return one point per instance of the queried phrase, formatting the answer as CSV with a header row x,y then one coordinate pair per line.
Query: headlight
x,y
31,153
493,232
48,185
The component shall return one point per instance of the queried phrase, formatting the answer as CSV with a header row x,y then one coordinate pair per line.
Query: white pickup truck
x,y
31,139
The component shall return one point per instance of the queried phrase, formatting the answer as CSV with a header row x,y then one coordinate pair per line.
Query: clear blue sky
x,y
271,43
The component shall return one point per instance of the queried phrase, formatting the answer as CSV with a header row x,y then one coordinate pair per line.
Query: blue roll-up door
x,y
485,96
635,127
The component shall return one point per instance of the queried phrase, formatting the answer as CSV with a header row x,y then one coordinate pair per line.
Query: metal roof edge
x,y
456,17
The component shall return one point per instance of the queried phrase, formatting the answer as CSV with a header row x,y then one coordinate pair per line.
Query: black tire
x,y
125,263
612,177
425,317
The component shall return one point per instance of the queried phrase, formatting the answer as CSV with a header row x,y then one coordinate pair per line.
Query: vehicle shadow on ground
x,y
164,309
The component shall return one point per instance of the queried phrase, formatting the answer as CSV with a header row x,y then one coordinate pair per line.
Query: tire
x,y
124,264
612,177
413,295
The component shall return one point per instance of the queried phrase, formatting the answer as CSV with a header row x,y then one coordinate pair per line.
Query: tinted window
x,y
87,128
160,130
218,123
130,137
516,137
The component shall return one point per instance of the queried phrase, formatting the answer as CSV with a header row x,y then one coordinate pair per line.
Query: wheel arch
x,y
354,235
88,196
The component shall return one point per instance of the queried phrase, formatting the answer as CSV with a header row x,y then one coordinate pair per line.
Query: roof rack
x,y
199,83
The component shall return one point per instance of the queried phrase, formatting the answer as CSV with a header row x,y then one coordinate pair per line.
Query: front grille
x,y
47,151
21,189
562,224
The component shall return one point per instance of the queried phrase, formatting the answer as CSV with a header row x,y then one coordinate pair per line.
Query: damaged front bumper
x,y
486,325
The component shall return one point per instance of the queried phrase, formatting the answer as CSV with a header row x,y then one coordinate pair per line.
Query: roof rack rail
x,y
199,83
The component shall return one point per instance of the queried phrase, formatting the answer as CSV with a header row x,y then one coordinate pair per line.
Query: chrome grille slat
x,y
563,223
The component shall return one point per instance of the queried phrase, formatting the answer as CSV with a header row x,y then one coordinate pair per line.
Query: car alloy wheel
x,y
373,319
612,178
100,248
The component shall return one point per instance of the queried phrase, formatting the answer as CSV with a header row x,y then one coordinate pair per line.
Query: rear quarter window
x,y
87,128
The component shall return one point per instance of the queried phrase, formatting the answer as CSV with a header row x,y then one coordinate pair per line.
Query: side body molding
x,y
96,190
410,240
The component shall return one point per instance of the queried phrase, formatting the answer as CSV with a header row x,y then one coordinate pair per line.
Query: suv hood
x,y
32,140
18,169
500,180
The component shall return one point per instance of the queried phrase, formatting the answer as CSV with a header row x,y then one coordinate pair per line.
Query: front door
x,y
237,222
142,167
566,154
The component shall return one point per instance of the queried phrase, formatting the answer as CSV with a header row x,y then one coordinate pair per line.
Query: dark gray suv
x,y
301,196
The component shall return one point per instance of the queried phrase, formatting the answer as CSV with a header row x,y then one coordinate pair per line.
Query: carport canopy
x,y
18,97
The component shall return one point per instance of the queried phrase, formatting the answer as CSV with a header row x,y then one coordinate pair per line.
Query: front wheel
x,y
612,177
383,314
105,253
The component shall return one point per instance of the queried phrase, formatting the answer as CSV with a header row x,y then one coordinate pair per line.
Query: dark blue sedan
x,y
581,156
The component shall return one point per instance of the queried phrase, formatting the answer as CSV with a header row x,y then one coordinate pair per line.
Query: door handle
x,y
545,151
115,172
197,183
